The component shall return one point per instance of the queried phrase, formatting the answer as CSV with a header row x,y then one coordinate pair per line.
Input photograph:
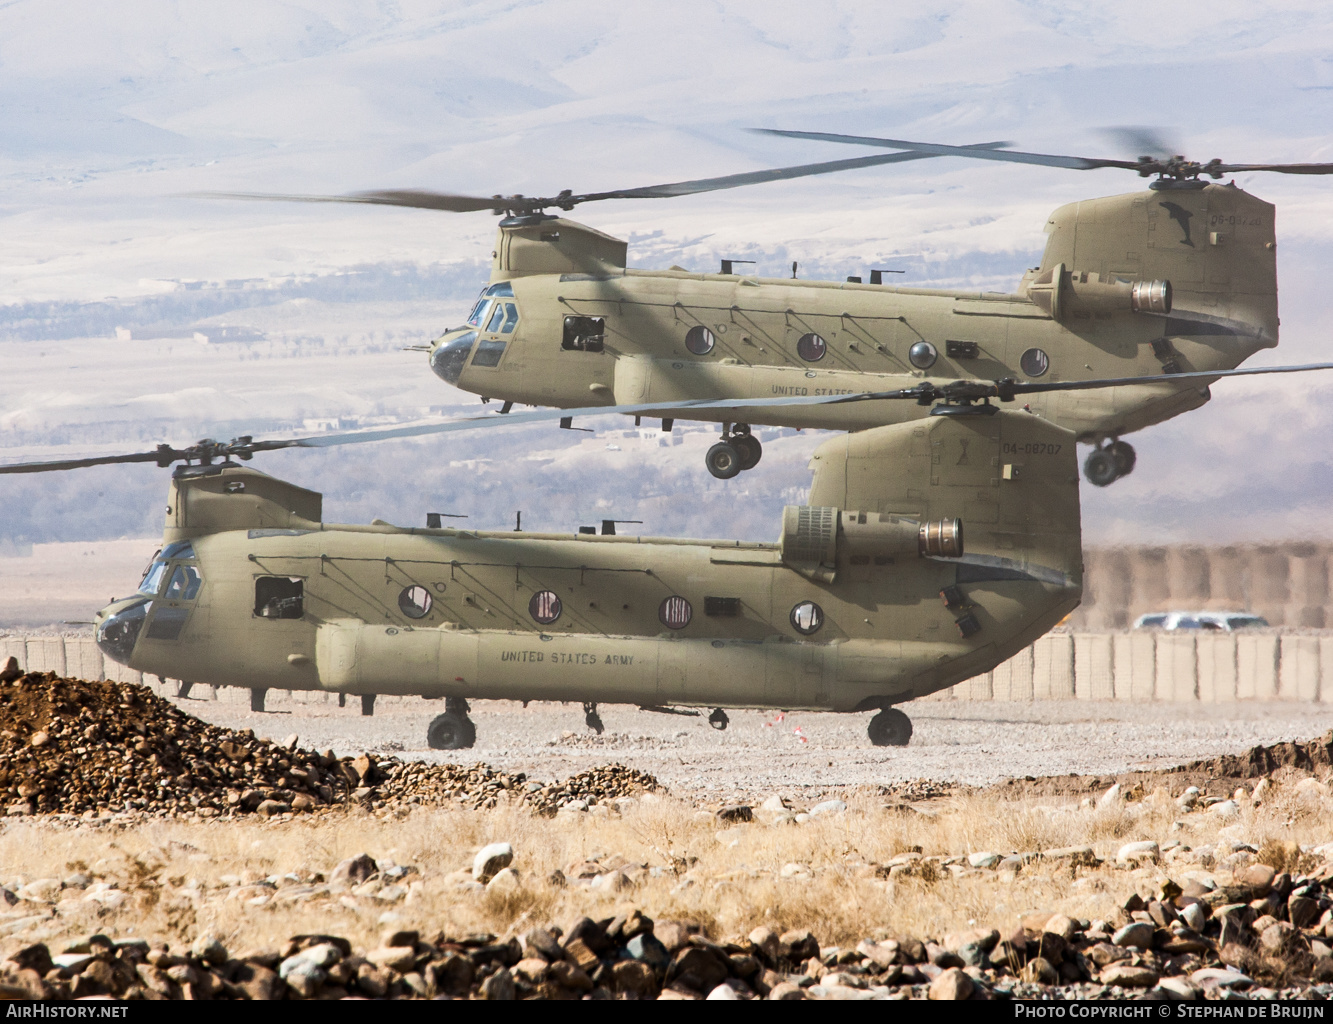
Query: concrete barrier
x,y
1213,668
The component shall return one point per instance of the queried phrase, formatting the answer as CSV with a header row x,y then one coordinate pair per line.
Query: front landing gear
x,y
452,730
738,451
592,719
890,728
718,719
1106,465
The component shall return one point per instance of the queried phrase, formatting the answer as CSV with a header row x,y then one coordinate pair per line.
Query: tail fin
x,y
1215,244
1012,478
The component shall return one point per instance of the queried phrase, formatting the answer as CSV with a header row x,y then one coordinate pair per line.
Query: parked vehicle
x,y
1225,622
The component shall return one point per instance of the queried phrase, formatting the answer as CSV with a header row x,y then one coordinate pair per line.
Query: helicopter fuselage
x,y
868,599
564,323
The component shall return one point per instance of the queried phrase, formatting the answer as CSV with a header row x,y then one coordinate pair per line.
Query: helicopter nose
x,y
117,627
448,358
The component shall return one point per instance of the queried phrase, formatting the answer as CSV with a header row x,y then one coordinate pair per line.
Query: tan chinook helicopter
x,y
870,598
1180,277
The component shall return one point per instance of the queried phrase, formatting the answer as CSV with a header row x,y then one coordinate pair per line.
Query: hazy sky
x,y
109,111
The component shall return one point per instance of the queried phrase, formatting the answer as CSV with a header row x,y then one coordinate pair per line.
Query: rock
x,y
828,807
985,860
40,738
648,950
257,982
1194,916
699,968
303,803
952,984
723,991
1216,977
11,671
1188,799
291,741
581,954
882,954
1302,911
671,934
775,804
794,870
1279,937
303,976
208,949
1128,976
364,766
1132,853
1113,797
1226,809
1259,877
570,976
354,871
1039,971
499,985
797,946
505,880
490,860
786,990
765,940
1179,989
733,813
1138,935
398,958
541,943
634,976
1079,856
1060,925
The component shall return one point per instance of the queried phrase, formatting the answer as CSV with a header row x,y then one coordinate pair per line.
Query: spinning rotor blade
x,y
1172,166
420,199
924,393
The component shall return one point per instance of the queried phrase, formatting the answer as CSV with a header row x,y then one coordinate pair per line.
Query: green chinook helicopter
x,y
1180,277
870,597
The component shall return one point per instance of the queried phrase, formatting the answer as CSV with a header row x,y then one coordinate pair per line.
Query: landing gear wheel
x,y
723,460
750,448
1124,457
718,719
890,728
451,731
592,719
1100,467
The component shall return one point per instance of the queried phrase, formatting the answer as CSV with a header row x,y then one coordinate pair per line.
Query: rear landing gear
x,y
718,719
890,728
452,730
1106,465
738,451
592,719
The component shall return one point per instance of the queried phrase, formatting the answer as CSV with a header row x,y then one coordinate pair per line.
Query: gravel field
x,y
801,754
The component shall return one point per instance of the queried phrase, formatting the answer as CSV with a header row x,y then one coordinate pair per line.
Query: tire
x,y
718,719
890,728
450,732
1124,456
723,460
750,448
1100,467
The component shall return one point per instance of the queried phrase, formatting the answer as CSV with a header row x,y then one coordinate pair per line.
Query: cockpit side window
x,y
511,318
504,289
279,597
185,584
497,319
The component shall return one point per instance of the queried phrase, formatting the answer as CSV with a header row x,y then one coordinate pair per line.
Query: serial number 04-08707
x,y
1036,448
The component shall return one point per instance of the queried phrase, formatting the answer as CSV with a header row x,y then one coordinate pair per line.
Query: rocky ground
x,y
148,854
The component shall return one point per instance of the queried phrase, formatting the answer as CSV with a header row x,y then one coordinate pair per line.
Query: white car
x,y
1225,622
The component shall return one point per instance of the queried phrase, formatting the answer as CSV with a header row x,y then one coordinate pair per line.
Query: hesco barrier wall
x,y
1138,666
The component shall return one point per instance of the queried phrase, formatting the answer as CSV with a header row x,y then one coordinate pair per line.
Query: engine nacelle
x,y
1064,293
815,538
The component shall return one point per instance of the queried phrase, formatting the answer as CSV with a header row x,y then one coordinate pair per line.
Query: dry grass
x,y
726,878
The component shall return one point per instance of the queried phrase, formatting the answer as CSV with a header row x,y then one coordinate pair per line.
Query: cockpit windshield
x,y
478,311
152,582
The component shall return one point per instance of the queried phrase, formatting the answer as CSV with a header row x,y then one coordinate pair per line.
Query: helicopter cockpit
x,y
164,601
493,319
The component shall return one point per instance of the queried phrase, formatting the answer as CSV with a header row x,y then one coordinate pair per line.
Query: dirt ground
x,y
800,754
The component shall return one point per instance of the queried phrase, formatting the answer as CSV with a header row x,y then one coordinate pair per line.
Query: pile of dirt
x,y
99,748
1214,776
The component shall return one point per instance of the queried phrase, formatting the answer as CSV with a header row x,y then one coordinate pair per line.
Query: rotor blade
x,y
1279,168
685,188
417,199
97,460
1078,163
926,391
1141,140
